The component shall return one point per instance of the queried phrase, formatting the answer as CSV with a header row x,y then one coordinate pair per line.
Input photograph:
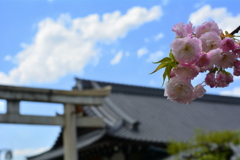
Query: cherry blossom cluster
x,y
202,49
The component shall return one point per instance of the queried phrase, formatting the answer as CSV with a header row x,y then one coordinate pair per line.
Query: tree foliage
x,y
206,146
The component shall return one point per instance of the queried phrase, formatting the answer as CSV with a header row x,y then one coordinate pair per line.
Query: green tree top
x,y
206,146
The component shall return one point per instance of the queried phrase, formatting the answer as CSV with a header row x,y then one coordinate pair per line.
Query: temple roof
x,y
143,114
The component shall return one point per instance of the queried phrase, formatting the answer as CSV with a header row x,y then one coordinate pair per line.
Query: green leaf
x,y
164,60
160,66
174,64
171,56
164,77
167,72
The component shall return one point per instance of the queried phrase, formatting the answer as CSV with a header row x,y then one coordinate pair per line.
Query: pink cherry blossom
x,y
227,60
186,72
179,90
228,44
209,26
229,77
215,56
223,79
210,40
210,79
237,50
236,72
172,73
203,60
237,64
205,68
220,80
198,91
186,50
206,49
182,30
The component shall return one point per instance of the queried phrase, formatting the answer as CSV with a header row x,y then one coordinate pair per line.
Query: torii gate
x,y
69,121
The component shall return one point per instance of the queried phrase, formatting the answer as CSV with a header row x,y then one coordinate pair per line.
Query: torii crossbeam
x,y
69,120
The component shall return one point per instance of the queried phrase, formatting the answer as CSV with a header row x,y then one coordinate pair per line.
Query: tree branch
x,y
235,30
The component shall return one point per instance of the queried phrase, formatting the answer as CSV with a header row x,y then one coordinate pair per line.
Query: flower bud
x,y
237,64
210,80
236,72
237,50
223,79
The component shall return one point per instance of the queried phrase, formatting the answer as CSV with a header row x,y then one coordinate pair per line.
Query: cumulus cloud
x,y
117,58
235,92
68,45
225,19
159,36
142,51
154,57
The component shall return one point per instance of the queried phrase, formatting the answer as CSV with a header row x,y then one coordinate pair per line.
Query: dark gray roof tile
x,y
162,120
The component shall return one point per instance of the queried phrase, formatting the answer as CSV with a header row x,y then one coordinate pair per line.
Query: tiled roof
x,y
143,114
162,120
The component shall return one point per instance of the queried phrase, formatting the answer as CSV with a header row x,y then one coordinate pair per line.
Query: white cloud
x,y
154,57
142,51
235,92
5,79
117,58
159,36
225,19
29,151
68,45
7,58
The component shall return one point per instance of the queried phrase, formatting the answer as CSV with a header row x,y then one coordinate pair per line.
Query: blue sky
x,y
46,43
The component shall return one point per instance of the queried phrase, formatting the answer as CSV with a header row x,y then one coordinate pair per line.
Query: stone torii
x,y
13,95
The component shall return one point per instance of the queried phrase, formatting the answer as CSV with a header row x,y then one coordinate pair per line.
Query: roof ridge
x,y
132,89
117,83
151,91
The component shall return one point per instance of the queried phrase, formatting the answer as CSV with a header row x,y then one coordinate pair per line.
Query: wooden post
x,y
69,134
